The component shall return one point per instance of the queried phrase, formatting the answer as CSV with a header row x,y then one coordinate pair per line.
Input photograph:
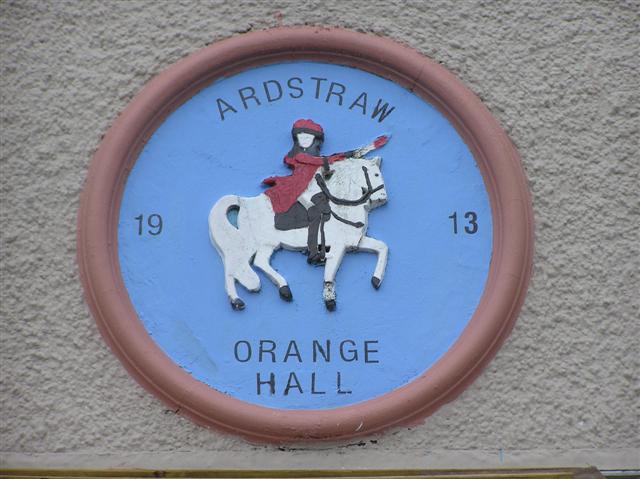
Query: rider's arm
x,y
308,159
341,156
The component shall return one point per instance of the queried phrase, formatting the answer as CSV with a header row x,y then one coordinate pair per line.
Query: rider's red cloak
x,y
285,190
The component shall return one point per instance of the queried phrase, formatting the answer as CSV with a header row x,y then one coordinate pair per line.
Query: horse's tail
x,y
236,250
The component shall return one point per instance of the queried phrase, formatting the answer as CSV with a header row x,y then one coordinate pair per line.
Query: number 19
x,y
154,222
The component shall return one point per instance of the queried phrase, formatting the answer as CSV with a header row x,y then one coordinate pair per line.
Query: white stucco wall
x,y
561,77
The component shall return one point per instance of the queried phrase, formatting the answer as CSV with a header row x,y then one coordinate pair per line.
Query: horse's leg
x,y
334,258
261,260
376,246
232,292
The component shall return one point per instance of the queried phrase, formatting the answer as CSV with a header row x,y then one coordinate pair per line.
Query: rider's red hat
x,y
307,126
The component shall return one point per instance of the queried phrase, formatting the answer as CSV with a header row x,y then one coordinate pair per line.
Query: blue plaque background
x,y
434,278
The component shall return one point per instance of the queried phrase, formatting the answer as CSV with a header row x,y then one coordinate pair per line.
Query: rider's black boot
x,y
315,256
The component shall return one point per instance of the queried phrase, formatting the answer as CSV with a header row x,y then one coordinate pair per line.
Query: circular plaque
x,y
305,233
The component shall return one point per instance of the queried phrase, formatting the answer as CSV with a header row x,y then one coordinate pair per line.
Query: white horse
x,y
355,188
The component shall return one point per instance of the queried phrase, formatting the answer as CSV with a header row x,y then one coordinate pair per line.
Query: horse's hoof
x,y
330,304
317,259
237,304
375,282
285,293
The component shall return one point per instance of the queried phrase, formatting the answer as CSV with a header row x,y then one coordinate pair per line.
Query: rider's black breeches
x,y
318,214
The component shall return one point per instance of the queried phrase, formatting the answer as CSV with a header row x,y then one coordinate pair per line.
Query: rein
x,y
340,201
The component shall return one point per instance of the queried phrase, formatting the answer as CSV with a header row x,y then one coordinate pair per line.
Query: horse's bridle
x,y
340,201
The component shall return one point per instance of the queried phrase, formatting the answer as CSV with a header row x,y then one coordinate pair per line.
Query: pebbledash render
x,y
328,374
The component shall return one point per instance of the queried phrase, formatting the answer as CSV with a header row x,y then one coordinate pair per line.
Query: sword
x,y
357,153
377,143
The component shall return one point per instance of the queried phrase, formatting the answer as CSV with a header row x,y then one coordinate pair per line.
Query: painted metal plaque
x,y
305,234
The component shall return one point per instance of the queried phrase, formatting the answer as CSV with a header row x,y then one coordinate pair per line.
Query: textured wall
x,y
561,77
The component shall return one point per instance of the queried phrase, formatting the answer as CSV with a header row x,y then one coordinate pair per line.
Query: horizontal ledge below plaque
x,y
523,473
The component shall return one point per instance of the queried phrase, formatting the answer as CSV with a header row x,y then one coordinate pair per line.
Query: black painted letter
x,y
293,383
267,92
251,96
339,385
363,104
382,111
338,92
226,108
353,353
299,80
292,350
264,350
368,351
313,385
237,355
271,382
324,352
318,80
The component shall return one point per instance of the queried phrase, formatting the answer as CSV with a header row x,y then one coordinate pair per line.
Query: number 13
x,y
471,228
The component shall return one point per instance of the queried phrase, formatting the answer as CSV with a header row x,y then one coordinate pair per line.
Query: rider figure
x,y
291,207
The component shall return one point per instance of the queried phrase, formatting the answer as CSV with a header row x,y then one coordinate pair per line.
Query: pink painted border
x,y
497,159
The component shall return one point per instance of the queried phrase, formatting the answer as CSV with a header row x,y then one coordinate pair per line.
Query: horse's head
x,y
359,178
374,170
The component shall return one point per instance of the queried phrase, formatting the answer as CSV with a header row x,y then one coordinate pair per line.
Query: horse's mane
x,y
353,163
350,168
